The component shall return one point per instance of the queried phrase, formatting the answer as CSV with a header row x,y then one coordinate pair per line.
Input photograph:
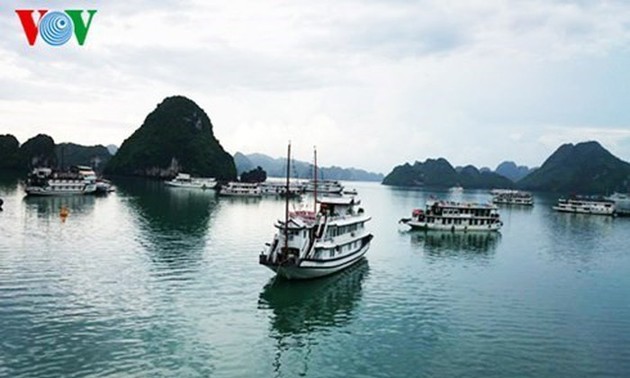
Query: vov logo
x,y
56,27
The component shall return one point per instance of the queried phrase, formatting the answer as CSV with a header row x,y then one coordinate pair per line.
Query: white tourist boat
x,y
513,197
585,206
455,216
319,242
278,188
46,182
323,187
622,203
495,192
240,189
184,180
313,244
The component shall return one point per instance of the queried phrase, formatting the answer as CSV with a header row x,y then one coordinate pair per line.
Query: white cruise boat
x,y
622,203
324,187
184,180
495,192
313,244
585,206
277,188
240,189
455,216
513,197
45,182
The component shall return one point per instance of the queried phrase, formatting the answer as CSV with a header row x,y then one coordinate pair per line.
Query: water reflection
x,y
579,223
240,200
9,183
566,230
456,244
301,308
173,221
53,206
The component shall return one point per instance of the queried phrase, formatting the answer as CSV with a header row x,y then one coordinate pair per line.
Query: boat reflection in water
x,y
301,309
457,244
52,207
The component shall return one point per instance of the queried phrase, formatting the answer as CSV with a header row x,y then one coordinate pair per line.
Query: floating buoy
x,y
63,213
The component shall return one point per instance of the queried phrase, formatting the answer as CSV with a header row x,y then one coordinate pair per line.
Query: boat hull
x,y
242,195
42,192
309,269
191,186
511,202
454,228
584,211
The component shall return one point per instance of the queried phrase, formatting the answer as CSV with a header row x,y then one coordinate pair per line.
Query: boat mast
x,y
315,179
286,202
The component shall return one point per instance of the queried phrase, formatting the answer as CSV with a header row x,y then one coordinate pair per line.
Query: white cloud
x,y
612,138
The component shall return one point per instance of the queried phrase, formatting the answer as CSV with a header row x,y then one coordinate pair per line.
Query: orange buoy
x,y
63,213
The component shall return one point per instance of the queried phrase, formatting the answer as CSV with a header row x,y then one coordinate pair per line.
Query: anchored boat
x,y
45,182
585,206
184,180
455,216
324,187
310,244
513,197
622,203
240,189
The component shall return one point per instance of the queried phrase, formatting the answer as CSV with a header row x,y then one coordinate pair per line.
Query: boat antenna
x,y
315,179
286,202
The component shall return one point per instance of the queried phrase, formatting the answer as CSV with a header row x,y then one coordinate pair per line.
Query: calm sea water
x,y
152,281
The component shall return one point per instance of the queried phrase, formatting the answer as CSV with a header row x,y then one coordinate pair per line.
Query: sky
x,y
372,83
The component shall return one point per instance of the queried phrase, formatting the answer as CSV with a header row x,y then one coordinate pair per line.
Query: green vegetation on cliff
x,y
176,137
69,154
440,173
255,175
39,151
9,152
583,168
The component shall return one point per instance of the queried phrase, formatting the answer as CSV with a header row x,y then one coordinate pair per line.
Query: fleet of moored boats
x,y
332,234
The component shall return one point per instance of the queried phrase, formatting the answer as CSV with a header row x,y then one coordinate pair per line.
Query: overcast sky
x,y
372,83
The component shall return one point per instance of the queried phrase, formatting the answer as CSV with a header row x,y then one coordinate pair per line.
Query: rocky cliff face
x,y
39,151
583,168
176,137
69,154
9,152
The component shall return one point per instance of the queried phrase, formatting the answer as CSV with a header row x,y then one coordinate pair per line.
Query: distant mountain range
x,y
584,168
276,167
510,170
41,151
440,173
